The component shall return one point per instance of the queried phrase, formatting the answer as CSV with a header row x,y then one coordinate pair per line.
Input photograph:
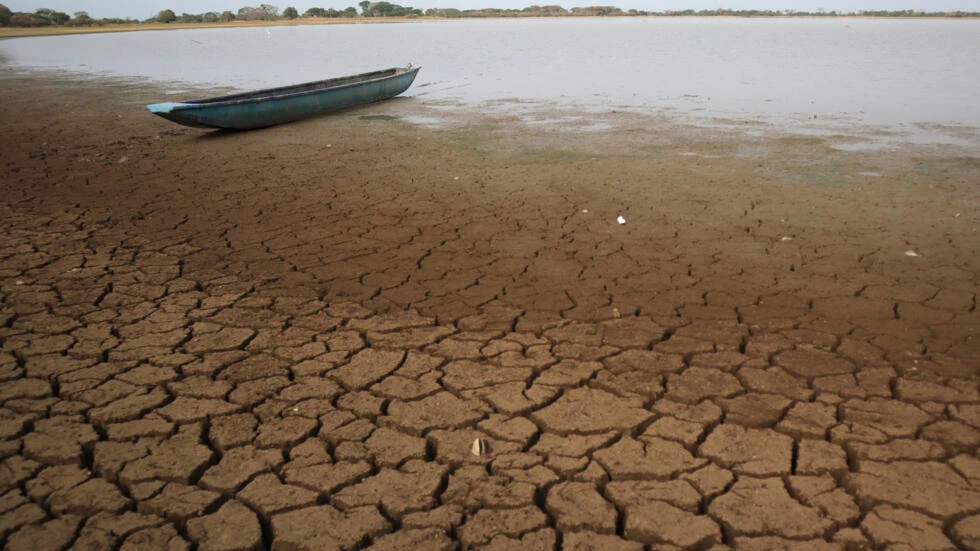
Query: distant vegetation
x,y
44,17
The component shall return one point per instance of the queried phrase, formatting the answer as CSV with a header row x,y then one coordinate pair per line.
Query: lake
x,y
916,77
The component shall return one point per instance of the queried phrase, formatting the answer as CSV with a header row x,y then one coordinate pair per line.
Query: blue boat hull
x,y
264,108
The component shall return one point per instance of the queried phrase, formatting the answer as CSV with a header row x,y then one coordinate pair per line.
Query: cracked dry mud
x,y
289,339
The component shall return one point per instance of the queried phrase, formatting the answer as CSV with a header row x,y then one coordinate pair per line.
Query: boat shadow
x,y
223,134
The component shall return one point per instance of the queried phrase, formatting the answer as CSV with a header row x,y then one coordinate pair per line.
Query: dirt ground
x,y
293,338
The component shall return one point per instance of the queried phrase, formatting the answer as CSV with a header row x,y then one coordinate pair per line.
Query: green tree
x,y
290,13
315,12
82,19
227,16
349,11
5,15
544,11
597,11
265,12
166,16
387,9
365,7
52,17
21,19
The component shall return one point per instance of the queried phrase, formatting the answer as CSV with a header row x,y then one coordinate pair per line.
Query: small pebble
x,y
621,220
479,447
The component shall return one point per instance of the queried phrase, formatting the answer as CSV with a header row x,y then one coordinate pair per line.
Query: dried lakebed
x,y
291,339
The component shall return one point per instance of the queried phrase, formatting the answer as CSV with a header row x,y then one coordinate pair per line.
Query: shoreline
x,y
843,134
17,32
5,32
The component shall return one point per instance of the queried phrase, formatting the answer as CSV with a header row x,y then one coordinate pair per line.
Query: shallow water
x,y
918,77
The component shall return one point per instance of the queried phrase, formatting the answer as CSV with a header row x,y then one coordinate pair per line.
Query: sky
x,y
143,9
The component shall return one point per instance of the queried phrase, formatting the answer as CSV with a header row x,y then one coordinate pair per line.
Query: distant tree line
x,y
44,17
531,11
330,12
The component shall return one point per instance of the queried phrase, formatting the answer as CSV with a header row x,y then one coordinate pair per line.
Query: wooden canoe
x,y
273,106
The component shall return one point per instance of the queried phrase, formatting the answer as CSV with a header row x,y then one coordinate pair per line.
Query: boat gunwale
x,y
295,90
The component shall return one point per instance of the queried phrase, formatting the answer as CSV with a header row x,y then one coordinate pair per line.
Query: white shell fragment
x,y
785,238
479,447
911,253
621,220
